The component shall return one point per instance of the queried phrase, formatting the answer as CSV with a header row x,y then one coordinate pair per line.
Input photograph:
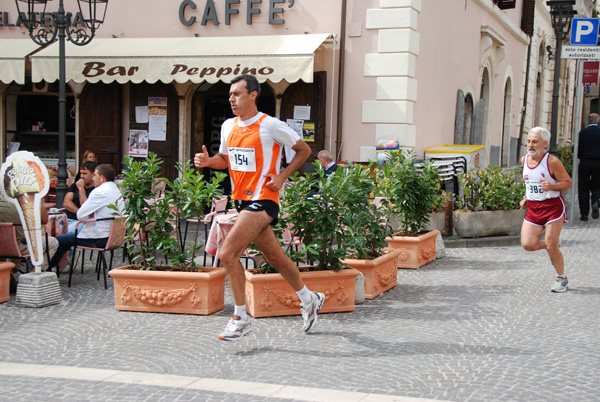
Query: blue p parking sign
x,y
584,31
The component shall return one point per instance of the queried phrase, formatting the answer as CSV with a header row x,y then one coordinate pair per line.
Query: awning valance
x,y
12,59
274,58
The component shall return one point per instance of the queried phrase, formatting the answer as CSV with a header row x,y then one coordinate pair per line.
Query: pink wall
x,y
357,87
449,60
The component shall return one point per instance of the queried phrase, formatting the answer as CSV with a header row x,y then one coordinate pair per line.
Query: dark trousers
x,y
66,241
589,183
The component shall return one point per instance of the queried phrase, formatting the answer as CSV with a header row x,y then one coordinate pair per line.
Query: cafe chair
x,y
116,239
218,207
9,246
290,241
158,188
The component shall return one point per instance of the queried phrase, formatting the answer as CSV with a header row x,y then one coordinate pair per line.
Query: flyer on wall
x,y
138,143
157,118
308,130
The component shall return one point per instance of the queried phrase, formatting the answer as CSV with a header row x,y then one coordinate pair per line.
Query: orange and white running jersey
x,y
254,150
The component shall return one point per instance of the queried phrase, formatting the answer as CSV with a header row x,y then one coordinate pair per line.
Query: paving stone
x,y
479,324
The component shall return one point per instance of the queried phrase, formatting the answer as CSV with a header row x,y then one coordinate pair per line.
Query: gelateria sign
x,y
45,19
202,59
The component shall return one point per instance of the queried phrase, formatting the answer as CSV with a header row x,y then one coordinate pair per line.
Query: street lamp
x,y
562,12
62,27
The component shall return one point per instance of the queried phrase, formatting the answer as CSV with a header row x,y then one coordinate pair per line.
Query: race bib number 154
x,y
242,159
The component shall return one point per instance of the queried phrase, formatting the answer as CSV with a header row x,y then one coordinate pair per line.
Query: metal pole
x,y
576,142
555,95
62,175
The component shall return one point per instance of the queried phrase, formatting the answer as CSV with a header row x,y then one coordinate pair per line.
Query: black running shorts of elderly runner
x,y
270,207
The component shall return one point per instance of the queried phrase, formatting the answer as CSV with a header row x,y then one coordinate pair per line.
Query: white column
x,y
394,67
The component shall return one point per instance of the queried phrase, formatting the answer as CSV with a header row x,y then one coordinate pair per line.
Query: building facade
x,y
352,72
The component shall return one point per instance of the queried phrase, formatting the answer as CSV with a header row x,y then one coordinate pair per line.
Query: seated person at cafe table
x,y
88,156
251,145
78,192
94,234
326,159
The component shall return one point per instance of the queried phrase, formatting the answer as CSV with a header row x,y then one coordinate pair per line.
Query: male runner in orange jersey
x,y
251,145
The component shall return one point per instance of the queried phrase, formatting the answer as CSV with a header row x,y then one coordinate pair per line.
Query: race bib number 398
x,y
242,159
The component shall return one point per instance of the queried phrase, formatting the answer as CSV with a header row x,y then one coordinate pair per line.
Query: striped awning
x,y
13,54
273,58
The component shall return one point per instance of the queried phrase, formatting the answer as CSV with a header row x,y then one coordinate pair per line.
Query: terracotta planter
x,y
269,295
5,270
380,273
488,223
169,292
416,251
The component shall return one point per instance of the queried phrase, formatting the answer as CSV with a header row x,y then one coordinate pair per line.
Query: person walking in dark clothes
x,y
589,168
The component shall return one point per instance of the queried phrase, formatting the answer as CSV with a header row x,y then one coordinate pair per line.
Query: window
x,y
505,4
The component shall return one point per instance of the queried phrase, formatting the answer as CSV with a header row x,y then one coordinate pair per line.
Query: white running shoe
x,y
309,314
235,329
560,285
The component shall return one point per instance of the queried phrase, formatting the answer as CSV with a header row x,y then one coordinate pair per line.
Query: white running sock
x,y
305,295
240,311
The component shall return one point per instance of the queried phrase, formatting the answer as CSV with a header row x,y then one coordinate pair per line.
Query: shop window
x,y
528,17
37,125
40,113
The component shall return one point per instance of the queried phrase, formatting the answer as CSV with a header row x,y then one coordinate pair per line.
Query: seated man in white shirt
x,y
94,234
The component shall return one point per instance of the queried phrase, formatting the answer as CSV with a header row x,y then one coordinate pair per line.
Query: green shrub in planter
x,y
367,223
323,213
490,189
413,193
565,154
152,224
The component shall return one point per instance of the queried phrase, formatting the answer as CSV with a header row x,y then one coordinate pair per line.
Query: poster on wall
x,y
308,132
301,112
296,125
141,114
157,118
138,143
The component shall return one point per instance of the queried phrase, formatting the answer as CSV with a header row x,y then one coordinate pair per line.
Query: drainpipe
x,y
524,111
340,108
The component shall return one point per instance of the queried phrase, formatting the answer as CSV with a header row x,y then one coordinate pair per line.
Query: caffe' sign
x,y
193,11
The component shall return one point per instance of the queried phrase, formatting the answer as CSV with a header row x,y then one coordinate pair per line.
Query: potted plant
x,y
443,207
315,209
488,203
413,194
368,225
152,232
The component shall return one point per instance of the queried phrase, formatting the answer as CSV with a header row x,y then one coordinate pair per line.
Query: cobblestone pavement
x,y
479,324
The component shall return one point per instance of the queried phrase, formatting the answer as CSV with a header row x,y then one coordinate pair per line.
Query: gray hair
x,y
325,155
545,134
